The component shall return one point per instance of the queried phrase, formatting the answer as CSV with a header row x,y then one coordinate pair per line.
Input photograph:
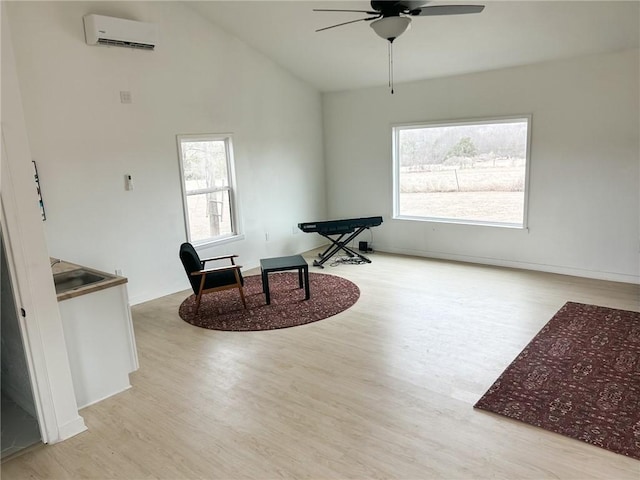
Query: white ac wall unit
x,y
101,30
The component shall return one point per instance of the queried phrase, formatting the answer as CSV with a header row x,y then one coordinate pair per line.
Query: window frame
x,y
231,188
395,145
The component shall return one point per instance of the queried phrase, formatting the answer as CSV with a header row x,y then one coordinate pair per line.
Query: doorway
x,y
20,428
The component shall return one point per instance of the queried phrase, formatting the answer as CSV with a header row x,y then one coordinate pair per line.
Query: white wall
x,y
199,80
584,205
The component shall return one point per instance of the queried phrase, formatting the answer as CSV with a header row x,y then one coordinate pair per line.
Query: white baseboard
x,y
70,429
497,262
80,407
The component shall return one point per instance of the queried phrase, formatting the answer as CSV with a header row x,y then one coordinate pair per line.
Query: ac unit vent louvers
x,y
120,43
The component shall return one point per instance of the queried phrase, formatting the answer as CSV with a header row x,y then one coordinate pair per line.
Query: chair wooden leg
x,y
239,283
198,298
242,297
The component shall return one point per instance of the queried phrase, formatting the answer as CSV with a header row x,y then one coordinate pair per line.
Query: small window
x,y
462,172
208,186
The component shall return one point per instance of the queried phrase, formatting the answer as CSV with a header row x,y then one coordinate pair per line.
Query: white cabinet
x,y
100,343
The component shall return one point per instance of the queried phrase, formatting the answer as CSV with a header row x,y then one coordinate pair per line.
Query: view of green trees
x,y
464,148
453,144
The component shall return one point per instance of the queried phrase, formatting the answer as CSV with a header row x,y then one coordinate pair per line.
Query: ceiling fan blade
x,y
347,23
356,11
446,10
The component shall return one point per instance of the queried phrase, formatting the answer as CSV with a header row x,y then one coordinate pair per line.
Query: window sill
x,y
217,242
512,226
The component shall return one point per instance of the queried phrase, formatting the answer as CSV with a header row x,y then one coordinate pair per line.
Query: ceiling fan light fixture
x,y
391,28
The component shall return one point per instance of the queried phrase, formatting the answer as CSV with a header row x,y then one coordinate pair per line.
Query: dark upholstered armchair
x,y
211,279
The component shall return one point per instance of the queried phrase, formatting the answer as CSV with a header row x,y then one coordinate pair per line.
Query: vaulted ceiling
x,y
506,33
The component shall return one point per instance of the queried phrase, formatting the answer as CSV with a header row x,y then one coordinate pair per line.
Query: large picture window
x,y
463,172
208,186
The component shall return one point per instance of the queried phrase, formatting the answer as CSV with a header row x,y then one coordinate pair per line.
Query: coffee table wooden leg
x,y
265,286
307,293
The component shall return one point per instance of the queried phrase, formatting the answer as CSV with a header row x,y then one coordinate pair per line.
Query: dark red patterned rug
x,y
580,377
223,310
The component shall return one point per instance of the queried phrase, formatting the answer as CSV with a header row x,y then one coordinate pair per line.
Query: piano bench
x,y
281,264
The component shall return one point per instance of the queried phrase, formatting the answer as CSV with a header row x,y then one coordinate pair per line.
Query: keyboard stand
x,y
338,244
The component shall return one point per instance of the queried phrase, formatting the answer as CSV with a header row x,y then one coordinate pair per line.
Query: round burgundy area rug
x,y
223,310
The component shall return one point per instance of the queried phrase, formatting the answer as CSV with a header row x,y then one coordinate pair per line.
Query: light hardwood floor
x,y
383,390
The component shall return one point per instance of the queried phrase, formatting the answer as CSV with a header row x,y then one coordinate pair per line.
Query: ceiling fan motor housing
x,y
393,9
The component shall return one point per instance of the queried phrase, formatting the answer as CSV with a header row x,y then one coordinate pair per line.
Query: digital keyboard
x,y
340,228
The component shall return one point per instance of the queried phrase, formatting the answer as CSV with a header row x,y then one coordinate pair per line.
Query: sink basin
x,y
66,281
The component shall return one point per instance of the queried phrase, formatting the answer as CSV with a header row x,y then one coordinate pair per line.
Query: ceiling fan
x,y
390,19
